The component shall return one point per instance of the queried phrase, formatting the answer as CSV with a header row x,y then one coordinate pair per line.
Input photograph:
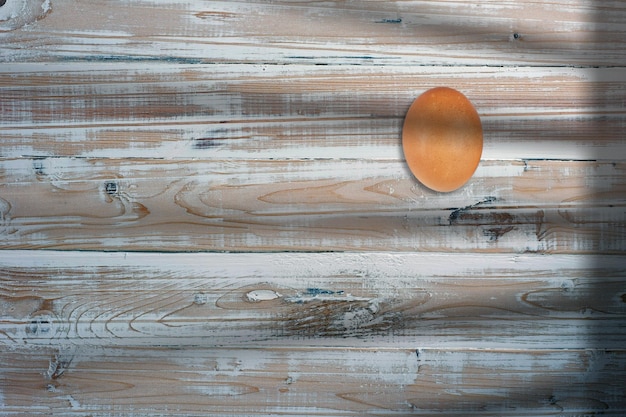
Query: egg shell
x,y
442,139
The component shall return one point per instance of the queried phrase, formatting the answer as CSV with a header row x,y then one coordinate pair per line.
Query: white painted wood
x,y
390,300
493,32
311,381
298,111
293,265
15,14
196,205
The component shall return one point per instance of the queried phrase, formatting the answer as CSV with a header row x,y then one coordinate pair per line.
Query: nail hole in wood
x,y
110,187
3,2
38,326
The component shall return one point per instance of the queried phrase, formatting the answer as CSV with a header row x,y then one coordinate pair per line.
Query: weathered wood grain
x,y
494,32
298,111
266,135
191,205
313,381
312,299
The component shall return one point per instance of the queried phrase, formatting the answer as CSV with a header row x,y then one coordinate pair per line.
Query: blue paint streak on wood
x,y
396,21
128,58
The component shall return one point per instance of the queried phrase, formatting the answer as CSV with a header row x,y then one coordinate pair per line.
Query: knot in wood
x,y
110,188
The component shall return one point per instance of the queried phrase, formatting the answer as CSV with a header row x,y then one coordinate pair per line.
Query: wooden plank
x,y
254,126
318,205
298,111
326,299
494,32
312,381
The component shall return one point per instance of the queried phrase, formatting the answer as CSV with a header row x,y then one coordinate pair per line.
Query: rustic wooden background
x,y
204,210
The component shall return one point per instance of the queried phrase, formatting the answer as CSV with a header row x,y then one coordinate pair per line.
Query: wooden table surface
x,y
205,210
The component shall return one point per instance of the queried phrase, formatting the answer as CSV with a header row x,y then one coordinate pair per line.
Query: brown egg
x,y
442,139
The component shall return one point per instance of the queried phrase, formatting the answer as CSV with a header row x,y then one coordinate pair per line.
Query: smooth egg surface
x,y
442,139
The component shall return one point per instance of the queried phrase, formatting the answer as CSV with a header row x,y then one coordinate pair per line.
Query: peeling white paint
x,y
256,296
378,134
362,290
453,338
301,265
74,404
15,14
219,390
46,6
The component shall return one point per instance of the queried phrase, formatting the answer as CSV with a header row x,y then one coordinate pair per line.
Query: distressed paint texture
x,y
205,210
298,111
402,300
337,204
